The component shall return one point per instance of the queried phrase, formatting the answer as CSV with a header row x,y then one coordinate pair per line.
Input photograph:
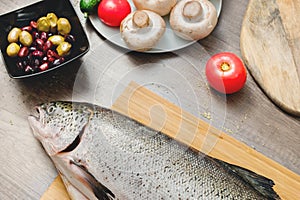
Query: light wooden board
x,y
150,109
56,191
270,45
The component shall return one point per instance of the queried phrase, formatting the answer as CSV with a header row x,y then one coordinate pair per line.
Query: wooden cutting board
x,y
148,108
270,46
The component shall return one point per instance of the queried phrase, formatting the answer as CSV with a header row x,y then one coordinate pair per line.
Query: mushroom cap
x,y
193,19
161,7
142,29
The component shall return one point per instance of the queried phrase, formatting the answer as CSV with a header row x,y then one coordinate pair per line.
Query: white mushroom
x,y
161,7
193,19
142,29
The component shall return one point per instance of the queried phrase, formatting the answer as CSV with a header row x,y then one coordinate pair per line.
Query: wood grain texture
x,y
270,45
152,110
249,116
56,191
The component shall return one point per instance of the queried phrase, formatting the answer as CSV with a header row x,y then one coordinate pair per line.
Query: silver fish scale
x,y
135,162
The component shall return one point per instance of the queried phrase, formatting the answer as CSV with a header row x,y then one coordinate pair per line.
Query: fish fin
x,y
73,192
100,191
260,183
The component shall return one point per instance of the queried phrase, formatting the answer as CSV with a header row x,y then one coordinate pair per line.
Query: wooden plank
x,y
56,191
270,45
152,110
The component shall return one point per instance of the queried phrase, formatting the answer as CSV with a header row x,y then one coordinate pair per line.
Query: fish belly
x,y
135,162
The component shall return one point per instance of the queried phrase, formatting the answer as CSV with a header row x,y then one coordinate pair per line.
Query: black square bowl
x,y
23,16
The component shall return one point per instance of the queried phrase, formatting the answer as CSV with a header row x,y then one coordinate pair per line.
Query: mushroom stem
x,y
193,19
140,19
192,10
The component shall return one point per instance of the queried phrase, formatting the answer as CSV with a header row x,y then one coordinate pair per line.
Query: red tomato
x,y
112,12
226,73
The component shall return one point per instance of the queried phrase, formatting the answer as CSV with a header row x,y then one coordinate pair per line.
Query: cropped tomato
x,y
226,73
112,12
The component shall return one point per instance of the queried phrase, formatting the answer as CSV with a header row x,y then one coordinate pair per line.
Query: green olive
x,y
56,39
43,24
25,38
53,21
12,49
63,26
63,49
13,35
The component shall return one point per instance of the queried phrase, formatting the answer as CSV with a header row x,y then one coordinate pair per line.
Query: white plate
x,y
168,42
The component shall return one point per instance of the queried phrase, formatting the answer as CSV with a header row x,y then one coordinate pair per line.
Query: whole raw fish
x,y
101,154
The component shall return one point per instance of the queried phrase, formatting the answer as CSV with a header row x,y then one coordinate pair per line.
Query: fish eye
x,y
51,109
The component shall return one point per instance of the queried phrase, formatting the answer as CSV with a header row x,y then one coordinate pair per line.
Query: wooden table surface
x,y
99,77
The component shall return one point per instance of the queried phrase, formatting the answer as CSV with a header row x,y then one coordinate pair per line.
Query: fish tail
x,y
260,183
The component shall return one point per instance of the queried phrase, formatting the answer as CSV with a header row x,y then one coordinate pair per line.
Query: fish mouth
x,y
38,114
36,121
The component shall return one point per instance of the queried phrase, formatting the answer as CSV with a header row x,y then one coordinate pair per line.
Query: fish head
x,y
57,124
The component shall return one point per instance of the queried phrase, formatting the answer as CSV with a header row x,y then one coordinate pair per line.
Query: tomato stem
x,y
225,66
